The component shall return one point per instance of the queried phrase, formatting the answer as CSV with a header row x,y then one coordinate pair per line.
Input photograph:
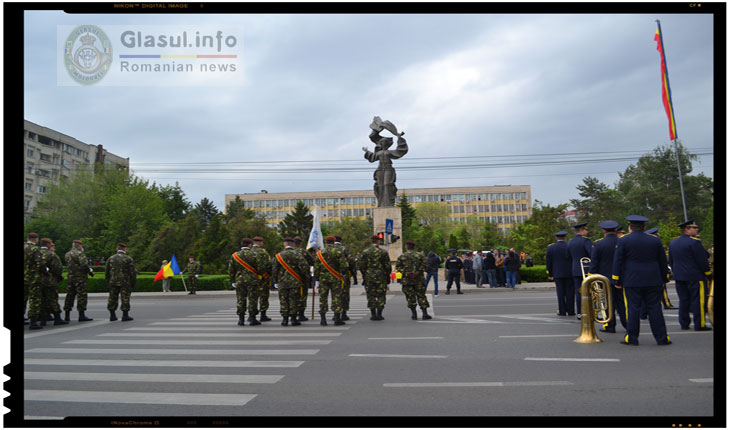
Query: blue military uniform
x,y
557,263
690,265
602,263
640,268
453,266
578,247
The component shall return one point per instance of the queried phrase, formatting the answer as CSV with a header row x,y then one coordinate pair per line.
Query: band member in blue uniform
x,y
665,297
602,262
640,268
579,247
559,269
691,267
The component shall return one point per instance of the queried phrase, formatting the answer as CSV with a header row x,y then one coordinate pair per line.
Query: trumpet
x,y
596,303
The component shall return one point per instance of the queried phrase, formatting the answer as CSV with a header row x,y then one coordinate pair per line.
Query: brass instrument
x,y
596,304
711,302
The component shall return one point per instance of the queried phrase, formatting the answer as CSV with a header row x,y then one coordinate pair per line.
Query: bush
x,y
145,283
534,274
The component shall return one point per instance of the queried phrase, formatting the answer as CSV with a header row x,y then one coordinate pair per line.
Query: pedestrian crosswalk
x,y
203,360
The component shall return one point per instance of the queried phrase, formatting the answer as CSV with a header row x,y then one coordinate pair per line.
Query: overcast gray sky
x,y
499,89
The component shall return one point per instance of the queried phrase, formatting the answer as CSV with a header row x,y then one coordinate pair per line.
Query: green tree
x,y
453,242
175,204
214,248
355,232
298,222
598,203
176,238
205,210
534,235
236,207
241,226
431,213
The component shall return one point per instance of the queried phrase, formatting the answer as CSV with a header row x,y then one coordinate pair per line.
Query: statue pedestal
x,y
379,216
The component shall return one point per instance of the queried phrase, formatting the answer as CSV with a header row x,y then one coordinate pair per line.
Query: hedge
x,y
534,274
145,283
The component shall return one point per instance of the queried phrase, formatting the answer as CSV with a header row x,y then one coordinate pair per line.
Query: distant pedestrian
x,y
166,280
490,267
193,269
528,261
477,265
499,263
452,267
433,264
511,267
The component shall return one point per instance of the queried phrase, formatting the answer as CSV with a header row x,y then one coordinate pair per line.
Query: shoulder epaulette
x,y
596,241
695,238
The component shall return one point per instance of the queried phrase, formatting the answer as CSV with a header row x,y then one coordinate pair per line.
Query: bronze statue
x,y
384,175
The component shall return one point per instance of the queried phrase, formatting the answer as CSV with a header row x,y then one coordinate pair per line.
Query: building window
x,y
29,186
45,157
29,152
44,173
27,204
31,136
495,196
42,189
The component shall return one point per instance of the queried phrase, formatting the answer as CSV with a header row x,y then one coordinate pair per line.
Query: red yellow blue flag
x,y
666,90
170,269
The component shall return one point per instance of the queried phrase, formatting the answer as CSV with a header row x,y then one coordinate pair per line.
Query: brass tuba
x,y
596,304
711,302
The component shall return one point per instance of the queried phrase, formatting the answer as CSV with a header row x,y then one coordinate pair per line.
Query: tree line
x,y
109,205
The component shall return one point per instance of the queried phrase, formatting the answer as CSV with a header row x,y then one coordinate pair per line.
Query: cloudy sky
x,y
524,99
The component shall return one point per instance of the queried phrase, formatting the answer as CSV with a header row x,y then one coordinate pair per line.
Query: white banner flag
x,y
315,237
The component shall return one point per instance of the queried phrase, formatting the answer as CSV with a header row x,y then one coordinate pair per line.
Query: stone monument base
x,y
395,250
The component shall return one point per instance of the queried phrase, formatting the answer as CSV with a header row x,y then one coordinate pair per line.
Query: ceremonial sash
x,y
330,269
291,272
246,265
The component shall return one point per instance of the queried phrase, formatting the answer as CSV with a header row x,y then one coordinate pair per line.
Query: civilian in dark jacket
x,y
433,262
453,266
511,267
491,268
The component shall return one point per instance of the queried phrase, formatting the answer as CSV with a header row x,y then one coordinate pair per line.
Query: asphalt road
x,y
486,353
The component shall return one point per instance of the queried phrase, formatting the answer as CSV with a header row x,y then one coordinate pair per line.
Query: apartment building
x,y
49,156
503,205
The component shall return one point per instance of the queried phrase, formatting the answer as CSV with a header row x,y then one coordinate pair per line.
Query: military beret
x,y
121,245
637,218
258,239
450,250
410,242
577,226
78,241
32,235
338,238
46,240
329,239
561,234
246,241
688,223
608,224
654,230
288,239
191,257
297,239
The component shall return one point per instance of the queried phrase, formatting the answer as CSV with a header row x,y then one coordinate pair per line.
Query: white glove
x,y
196,276
316,283
233,285
276,285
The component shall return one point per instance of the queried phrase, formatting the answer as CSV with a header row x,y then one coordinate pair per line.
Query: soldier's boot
x,y
302,317
58,320
414,316
264,317
252,320
426,316
380,314
344,316
43,319
126,317
285,321
34,324
241,319
26,321
323,318
373,315
112,316
67,316
294,320
83,317
338,320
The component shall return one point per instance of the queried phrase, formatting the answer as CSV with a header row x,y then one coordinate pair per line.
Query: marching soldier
x,y
32,266
640,268
78,280
665,297
602,262
289,271
193,269
330,271
375,266
49,286
412,265
245,277
560,270
689,261
308,282
263,264
579,247
121,278
350,265
452,267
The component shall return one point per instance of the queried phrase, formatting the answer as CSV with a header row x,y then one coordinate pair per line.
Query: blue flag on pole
x,y
173,265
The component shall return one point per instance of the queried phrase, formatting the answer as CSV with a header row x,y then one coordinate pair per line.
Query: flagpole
x,y
182,278
681,184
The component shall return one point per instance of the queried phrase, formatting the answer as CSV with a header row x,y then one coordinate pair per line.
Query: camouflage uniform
x,y
289,287
247,283
121,277
328,283
193,269
49,283
78,279
263,265
308,280
375,266
33,267
348,276
412,264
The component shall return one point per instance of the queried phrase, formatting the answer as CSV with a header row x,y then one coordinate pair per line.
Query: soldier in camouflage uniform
x,y
348,272
33,269
121,278
78,279
193,269
308,282
245,276
49,284
412,264
289,271
263,264
374,264
329,282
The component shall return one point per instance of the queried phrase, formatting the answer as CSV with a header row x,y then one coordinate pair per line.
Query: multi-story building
x,y
49,156
503,205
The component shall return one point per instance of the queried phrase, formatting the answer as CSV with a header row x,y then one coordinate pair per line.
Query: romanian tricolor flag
x,y
666,91
170,269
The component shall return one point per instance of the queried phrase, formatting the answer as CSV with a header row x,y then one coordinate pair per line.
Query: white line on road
x,y
232,323
499,305
138,397
239,334
572,359
703,380
475,384
174,351
404,338
48,331
398,356
195,342
160,363
160,377
540,335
